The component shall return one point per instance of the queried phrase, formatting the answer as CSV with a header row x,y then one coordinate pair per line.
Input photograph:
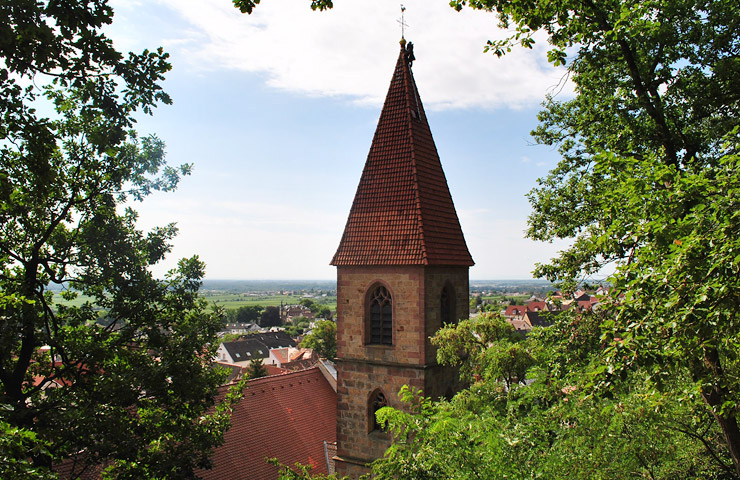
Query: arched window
x,y
447,306
381,317
377,401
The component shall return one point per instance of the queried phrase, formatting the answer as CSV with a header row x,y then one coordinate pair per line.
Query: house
x,y
292,311
537,306
291,417
243,351
516,314
276,339
291,358
240,328
514,311
539,319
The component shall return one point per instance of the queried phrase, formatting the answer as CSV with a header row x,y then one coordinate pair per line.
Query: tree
x,y
300,472
125,379
308,303
648,181
504,427
248,313
298,326
270,317
17,446
323,339
324,312
256,369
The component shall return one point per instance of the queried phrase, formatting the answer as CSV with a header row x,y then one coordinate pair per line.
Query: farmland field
x,y
235,294
230,300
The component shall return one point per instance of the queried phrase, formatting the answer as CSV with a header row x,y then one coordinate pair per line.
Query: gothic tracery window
x,y
377,401
381,317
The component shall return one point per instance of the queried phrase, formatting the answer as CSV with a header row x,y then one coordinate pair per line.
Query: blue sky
x,y
277,111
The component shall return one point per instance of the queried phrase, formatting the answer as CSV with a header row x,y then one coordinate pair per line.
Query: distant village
x,y
541,311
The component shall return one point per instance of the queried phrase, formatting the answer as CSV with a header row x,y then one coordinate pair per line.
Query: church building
x,y
402,272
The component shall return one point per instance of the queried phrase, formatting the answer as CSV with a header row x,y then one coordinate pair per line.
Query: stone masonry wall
x,y
411,360
406,286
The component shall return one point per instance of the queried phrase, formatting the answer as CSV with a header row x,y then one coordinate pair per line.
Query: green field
x,y
230,300
501,298
236,300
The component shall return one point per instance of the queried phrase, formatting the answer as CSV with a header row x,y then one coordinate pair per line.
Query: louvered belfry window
x,y
381,316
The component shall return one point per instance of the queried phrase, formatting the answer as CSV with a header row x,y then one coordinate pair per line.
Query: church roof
x,y
288,417
403,213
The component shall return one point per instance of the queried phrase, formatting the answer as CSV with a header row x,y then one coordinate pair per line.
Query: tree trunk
x,y
715,396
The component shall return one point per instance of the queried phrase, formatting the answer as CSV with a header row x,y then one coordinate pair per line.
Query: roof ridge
x,y
292,373
408,82
304,371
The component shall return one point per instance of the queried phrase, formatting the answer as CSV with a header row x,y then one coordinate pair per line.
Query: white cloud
x,y
349,50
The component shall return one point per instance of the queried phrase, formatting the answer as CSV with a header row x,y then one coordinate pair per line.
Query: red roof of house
x,y
287,417
403,213
515,310
535,306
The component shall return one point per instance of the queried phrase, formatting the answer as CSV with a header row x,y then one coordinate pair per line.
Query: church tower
x,y
402,272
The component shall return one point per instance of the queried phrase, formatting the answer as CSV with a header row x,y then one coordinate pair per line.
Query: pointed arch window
x,y
377,401
380,320
447,306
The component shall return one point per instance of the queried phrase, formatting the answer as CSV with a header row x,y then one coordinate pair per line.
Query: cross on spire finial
x,y
403,23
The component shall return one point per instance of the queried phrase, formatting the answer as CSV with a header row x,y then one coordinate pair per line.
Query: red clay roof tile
x,y
403,213
287,417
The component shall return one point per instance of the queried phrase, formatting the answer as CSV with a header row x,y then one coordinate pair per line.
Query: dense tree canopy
x,y
542,425
122,377
244,314
270,317
648,182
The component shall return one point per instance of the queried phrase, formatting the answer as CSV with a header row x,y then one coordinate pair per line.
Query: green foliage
x,y
298,326
483,345
307,302
248,314
17,447
270,317
300,472
322,311
648,183
256,369
323,339
552,427
133,390
230,337
248,6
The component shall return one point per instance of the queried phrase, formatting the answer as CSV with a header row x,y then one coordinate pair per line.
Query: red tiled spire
x,y
403,212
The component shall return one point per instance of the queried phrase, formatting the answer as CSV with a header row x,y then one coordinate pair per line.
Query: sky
x,y
276,111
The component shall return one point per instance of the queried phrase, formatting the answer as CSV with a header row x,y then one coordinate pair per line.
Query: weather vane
x,y
402,22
